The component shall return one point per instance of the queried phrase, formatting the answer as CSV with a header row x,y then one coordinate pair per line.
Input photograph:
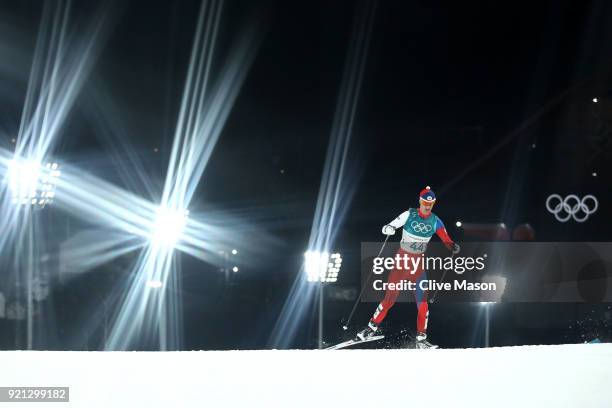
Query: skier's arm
x,y
398,222
443,235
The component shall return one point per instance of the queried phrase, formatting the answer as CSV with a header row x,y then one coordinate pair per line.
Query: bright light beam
x,y
91,198
202,119
90,248
334,195
96,201
108,121
58,71
199,124
169,226
55,83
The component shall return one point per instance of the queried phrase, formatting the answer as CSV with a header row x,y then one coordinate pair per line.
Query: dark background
x,y
490,103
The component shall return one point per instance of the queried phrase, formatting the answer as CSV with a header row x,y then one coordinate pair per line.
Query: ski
x,y
352,342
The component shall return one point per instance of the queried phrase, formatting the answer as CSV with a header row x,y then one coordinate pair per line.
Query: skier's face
x,y
426,206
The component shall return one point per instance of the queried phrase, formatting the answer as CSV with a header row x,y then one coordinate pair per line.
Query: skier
x,y
419,225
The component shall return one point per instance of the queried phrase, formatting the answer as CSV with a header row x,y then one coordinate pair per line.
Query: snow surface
x,y
532,376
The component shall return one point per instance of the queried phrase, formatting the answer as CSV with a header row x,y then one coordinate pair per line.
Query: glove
x,y
456,249
388,230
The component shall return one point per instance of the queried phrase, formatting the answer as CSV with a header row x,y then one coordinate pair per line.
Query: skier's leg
x,y
390,297
422,315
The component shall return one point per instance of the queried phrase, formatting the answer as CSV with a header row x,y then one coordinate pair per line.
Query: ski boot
x,y
368,332
422,343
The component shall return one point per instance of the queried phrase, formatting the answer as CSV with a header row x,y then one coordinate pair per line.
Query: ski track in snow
x,y
526,376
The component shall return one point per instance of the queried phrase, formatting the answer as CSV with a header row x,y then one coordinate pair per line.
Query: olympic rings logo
x,y
571,206
420,227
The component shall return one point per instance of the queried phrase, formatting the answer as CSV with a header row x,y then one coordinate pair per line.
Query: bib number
x,y
418,246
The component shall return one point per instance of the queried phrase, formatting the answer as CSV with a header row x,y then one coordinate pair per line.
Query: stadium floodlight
x,y
333,268
234,252
235,269
154,284
315,265
169,226
458,224
31,183
322,267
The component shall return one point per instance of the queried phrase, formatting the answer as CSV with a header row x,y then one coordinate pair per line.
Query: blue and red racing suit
x,y
416,233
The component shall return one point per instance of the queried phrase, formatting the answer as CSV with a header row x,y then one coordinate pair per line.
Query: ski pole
x,y
433,298
345,327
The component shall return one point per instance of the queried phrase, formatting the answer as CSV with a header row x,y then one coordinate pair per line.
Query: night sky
x,y
490,103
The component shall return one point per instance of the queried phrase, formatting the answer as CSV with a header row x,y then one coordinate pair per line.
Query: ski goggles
x,y
424,201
